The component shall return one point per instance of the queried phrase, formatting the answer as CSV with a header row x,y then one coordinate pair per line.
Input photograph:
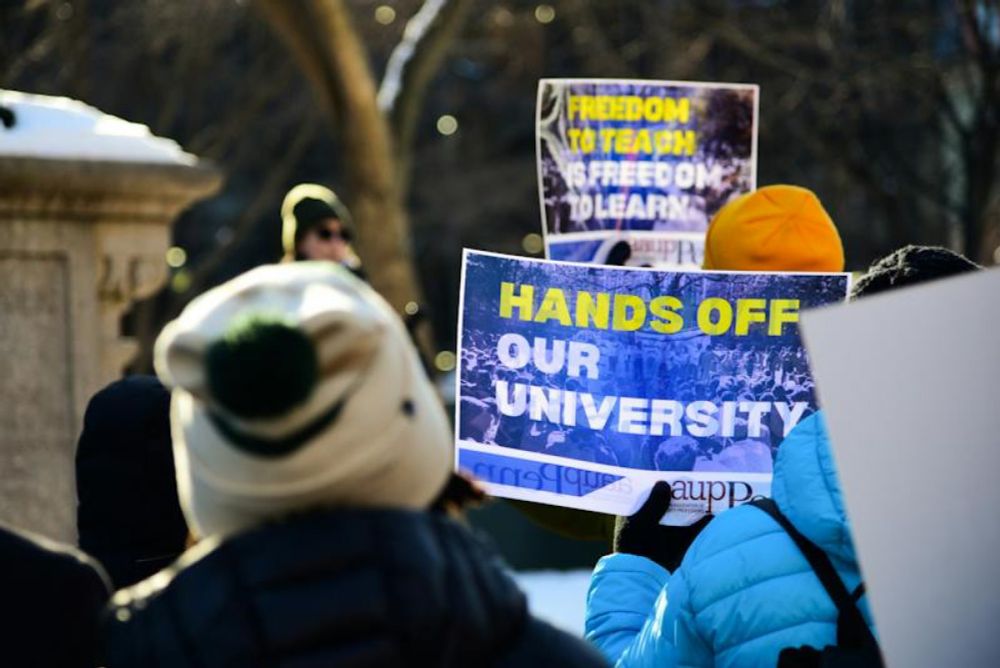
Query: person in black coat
x,y
314,459
128,514
345,588
52,598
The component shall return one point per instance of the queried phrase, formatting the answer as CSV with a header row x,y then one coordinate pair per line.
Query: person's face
x,y
327,240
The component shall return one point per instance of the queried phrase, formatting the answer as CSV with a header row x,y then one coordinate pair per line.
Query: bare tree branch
x,y
267,193
601,58
412,65
323,40
322,37
949,110
292,20
735,37
21,56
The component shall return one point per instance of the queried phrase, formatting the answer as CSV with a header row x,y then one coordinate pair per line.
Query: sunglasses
x,y
326,234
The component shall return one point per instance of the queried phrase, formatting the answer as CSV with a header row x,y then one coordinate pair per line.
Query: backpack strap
x,y
852,629
858,592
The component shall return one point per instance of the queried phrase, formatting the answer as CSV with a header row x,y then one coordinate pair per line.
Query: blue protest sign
x,y
581,385
634,170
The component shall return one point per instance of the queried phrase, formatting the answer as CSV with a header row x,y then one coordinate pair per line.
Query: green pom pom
x,y
262,367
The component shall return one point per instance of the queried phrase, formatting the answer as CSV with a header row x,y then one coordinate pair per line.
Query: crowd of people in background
x,y
283,495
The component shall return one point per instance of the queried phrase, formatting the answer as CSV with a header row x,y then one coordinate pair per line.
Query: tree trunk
x,y
323,40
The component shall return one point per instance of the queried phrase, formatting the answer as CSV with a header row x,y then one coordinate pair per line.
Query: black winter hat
x,y
310,211
128,516
911,265
304,206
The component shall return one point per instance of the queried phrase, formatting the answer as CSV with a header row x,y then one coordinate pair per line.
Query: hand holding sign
x,y
642,534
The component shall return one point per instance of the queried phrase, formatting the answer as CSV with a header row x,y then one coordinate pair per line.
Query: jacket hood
x,y
807,491
348,588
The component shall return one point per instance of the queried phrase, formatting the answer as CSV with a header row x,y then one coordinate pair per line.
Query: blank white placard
x,y
910,382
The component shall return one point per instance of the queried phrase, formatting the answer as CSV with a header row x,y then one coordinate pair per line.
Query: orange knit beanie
x,y
775,228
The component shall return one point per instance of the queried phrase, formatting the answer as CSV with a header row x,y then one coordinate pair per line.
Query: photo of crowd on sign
x,y
674,372
630,172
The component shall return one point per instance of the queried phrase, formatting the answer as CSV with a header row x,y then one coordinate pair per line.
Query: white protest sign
x,y
910,381
631,171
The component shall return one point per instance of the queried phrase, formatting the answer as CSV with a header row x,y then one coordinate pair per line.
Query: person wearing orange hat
x,y
775,228
759,598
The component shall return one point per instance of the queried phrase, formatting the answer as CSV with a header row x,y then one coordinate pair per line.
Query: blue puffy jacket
x,y
743,591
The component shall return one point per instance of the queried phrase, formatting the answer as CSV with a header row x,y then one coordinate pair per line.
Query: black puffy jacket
x,y
345,589
52,599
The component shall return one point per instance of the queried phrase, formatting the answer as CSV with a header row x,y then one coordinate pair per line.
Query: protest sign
x,y
581,385
909,381
637,168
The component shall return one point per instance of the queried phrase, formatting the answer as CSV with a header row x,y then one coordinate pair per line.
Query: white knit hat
x,y
296,386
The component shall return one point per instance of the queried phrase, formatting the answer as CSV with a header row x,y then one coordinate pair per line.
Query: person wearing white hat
x,y
309,448
279,377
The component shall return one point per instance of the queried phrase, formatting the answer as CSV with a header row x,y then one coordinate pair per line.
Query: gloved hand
x,y
619,254
643,535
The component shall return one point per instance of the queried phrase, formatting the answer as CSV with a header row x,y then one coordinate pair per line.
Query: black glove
x,y
619,254
643,535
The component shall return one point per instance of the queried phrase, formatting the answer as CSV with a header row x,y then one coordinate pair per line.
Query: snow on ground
x,y
558,597
58,127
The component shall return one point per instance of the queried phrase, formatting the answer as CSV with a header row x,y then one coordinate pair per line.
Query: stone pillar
x,y
80,239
